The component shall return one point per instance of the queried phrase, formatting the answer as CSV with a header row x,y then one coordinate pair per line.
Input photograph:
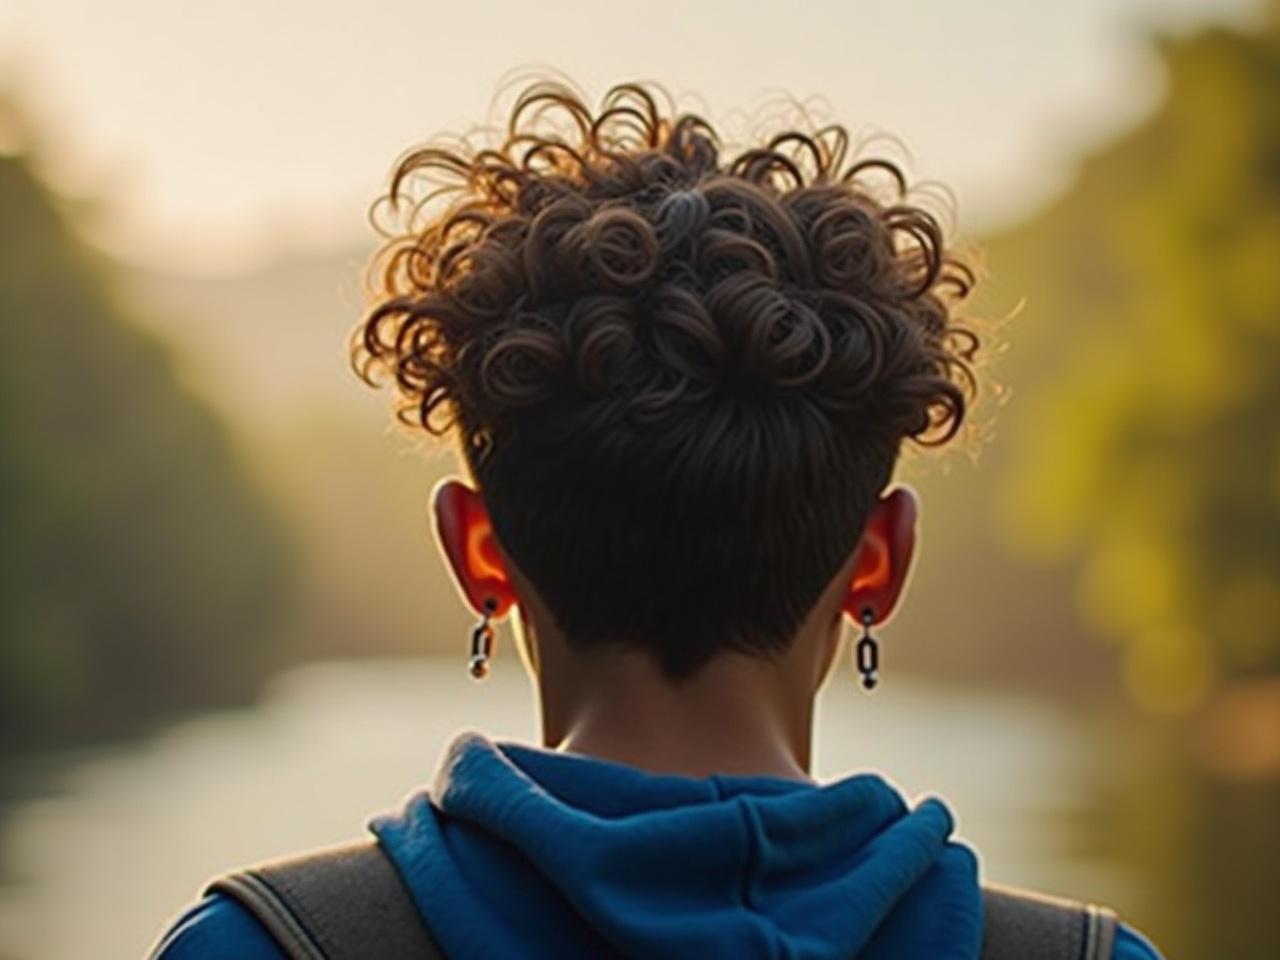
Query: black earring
x,y
482,641
868,651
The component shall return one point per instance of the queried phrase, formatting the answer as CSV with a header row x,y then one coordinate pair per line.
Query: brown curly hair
x,y
679,379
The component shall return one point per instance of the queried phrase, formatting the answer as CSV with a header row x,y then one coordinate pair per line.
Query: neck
x,y
738,715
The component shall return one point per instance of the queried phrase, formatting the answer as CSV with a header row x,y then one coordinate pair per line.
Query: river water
x,y
129,836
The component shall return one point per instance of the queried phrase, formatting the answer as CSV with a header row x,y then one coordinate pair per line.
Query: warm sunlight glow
x,y
874,546
482,553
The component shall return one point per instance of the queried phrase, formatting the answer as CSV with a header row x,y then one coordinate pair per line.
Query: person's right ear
x,y
470,547
884,555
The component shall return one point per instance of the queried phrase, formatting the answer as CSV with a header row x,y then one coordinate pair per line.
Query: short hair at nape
x,y
679,378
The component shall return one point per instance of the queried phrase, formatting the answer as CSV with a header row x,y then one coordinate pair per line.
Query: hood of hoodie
x,y
517,851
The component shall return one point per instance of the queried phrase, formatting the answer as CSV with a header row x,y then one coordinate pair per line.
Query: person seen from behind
x,y
678,378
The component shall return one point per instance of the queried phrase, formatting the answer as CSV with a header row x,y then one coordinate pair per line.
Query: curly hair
x,y
679,379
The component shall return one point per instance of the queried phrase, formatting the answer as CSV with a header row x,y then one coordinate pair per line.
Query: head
x,y
679,378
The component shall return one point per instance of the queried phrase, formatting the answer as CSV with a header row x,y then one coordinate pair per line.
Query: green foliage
x,y
1152,448
139,571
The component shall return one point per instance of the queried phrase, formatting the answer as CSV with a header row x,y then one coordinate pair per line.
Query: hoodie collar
x,y
520,851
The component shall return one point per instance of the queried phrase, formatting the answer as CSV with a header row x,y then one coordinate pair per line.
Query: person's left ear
x,y
884,555
465,534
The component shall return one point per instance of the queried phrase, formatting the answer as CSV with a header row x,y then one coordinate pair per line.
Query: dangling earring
x,y
482,641
868,651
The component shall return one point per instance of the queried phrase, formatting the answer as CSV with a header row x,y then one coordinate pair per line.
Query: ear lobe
x,y
465,535
885,553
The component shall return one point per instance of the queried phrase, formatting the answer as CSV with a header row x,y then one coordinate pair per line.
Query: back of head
x,y
680,378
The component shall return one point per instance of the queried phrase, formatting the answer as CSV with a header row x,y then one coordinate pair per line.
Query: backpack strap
x,y
1025,925
343,902
335,903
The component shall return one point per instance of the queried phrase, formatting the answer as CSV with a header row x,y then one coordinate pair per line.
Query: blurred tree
x,y
139,570
1151,447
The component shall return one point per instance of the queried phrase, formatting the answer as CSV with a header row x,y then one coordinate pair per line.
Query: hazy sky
x,y
217,130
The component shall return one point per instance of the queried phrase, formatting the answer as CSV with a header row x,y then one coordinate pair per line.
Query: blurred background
x,y
224,630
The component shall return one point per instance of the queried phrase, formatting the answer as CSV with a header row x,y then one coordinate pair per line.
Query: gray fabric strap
x,y
345,902
1025,925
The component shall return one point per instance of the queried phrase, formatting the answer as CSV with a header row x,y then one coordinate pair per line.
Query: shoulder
x,y
217,928
1131,945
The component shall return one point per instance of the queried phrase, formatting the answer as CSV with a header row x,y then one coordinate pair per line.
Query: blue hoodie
x,y
524,852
